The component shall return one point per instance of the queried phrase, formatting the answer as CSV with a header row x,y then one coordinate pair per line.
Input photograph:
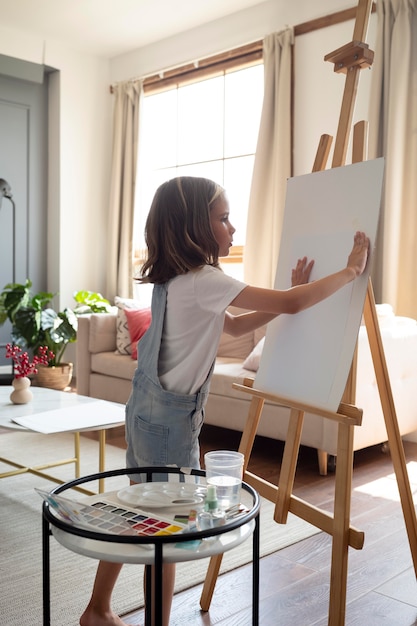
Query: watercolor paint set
x,y
108,517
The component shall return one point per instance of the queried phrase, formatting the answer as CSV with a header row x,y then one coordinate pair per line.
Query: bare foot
x,y
92,618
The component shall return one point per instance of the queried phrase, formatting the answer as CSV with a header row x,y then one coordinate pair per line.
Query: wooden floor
x,y
294,582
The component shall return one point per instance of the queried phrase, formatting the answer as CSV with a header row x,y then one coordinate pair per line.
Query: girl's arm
x,y
237,325
268,303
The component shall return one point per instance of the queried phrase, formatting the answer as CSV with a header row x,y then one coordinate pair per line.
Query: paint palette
x,y
108,517
158,495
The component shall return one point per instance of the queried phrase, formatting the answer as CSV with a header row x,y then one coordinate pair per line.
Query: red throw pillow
x,y
138,322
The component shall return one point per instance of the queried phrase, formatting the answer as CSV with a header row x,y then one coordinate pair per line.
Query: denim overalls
x,y
162,427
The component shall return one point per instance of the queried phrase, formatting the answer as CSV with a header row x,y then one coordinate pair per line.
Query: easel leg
x,y
322,458
245,447
340,544
288,466
249,431
391,422
210,581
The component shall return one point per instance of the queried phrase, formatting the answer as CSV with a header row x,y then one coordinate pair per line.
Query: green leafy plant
x,y
36,324
90,302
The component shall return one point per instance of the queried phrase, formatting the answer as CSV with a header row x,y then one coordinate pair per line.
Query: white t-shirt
x,y
194,319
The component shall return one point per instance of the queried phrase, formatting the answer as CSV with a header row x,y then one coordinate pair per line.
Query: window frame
x,y
208,67
233,60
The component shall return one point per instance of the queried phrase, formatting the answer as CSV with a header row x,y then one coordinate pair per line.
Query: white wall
x,y
84,131
80,115
218,36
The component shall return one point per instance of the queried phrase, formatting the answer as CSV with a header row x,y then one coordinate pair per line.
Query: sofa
x,y
104,369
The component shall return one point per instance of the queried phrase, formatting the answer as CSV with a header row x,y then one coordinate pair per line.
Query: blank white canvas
x,y
307,356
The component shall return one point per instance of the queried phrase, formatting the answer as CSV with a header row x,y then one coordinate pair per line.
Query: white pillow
x,y
123,341
252,361
385,314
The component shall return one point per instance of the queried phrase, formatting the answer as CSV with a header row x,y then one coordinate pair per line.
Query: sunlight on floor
x,y
387,486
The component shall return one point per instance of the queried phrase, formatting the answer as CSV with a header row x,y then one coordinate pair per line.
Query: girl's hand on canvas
x,y
301,273
358,257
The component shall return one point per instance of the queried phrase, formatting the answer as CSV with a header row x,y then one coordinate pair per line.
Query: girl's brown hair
x,y
178,231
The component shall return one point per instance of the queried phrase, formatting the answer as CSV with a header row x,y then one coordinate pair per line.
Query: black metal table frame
x,y
49,519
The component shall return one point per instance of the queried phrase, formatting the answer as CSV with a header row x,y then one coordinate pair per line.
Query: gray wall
x,y
23,163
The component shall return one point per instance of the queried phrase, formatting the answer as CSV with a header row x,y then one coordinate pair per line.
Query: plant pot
x,y
56,377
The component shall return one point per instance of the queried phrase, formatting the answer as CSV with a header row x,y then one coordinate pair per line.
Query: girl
x,y
187,230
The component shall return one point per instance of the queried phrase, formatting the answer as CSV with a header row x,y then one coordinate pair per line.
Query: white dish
x,y
158,495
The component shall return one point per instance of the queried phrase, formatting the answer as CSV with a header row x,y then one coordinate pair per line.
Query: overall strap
x,y
148,350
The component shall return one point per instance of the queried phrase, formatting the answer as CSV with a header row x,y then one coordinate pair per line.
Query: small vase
x,y
21,393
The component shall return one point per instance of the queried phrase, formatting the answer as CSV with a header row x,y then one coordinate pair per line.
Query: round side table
x,y
150,550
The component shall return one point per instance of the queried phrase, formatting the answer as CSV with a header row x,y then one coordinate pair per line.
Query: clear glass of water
x,y
224,469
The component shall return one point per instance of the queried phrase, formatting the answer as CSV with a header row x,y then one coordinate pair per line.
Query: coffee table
x,y
53,411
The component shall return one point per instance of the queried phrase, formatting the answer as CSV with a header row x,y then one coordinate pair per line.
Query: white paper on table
x,y
75,418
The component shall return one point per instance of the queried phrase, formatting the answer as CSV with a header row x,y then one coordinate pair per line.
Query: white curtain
x,y
272,164
393,134
127,102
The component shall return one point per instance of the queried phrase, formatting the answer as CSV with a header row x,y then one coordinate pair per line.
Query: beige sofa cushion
x,y
235,347
226,372
102,336
239,347
110,363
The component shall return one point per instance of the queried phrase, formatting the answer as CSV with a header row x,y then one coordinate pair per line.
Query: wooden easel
x,y
349,59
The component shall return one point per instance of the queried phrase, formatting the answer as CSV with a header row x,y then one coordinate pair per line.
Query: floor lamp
x,y
6,192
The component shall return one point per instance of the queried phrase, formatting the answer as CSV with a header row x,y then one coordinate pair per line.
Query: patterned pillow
x,y
123,341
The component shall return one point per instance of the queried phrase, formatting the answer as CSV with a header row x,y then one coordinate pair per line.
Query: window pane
x,y
145,191
158,135
200,121
237,182
212,169
243,105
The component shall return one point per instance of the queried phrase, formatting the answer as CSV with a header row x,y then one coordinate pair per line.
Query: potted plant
x,y
36,324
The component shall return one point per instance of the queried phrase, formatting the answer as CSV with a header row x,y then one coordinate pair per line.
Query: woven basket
x,y
56,377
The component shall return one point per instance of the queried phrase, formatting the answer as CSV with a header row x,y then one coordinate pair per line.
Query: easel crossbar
x,y
347,413
308,512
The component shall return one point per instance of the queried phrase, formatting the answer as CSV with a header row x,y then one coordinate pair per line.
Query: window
x,y
205,128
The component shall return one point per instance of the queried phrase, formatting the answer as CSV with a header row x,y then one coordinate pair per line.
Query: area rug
x,y
72,575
